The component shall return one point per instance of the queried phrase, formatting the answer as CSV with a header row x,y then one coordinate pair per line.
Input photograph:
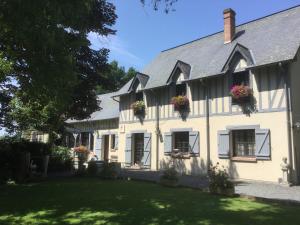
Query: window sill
x,y
113,150
182,155
243,159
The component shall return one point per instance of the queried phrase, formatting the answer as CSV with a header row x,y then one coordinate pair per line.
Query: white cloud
x,y
119,50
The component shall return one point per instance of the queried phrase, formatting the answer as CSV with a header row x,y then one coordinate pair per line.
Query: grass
x,y
92,201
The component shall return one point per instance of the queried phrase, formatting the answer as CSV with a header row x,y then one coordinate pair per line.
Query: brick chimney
x,y
229,25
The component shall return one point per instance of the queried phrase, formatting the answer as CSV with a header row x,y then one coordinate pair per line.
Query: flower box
x,y
180,102
138,108
241,93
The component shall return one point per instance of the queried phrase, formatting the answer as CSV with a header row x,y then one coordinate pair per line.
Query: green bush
x,y
110,171
61,159
92,169
218,178
13,153
170,174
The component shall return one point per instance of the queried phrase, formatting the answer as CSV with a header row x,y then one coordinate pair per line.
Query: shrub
x,y
170,174
14,157
218,179
61,159
110,171
92,169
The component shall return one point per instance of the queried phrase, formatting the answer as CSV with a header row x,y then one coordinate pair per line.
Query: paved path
x,y
268,190
248,188
153,176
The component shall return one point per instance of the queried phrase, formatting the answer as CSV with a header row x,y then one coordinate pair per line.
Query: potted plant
x,y
241,93
170,177
138,108
180,102
219,182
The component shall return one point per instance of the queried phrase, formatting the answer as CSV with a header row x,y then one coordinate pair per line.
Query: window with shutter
x,y
223,144
263,144
128,150
168,143
194,138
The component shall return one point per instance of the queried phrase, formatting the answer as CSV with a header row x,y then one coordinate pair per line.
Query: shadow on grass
x,y
91,201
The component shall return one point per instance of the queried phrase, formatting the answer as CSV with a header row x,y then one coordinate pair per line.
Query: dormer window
x,y
240,78
181,89
139,96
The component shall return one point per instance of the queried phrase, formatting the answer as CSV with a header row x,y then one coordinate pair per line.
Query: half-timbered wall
x,y
267,84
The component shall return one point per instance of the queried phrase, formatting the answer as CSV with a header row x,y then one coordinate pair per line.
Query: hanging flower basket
x,y
241,93
180,102
138,108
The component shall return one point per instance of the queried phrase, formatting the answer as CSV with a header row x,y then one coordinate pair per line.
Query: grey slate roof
x,y
109,109
271,39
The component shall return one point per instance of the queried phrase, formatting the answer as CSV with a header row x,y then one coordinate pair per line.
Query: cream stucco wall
x,y
265,170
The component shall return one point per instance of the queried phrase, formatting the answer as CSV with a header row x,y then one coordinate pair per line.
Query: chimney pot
x,y
229,25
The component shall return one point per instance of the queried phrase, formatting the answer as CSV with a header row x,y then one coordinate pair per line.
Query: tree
x,y
5,97
168,4
116,77
54,70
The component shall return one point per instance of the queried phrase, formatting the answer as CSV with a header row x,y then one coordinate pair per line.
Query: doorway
x,y
138,148
105,147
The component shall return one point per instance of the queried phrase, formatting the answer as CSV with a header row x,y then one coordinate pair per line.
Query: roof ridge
x,y
251,21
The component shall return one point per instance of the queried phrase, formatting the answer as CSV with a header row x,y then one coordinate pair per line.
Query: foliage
x,y
92,169
218,178
5,97
54,72
12,157
168,4
116,77
138,107
240,91
180,102
170,174
61,159
110,171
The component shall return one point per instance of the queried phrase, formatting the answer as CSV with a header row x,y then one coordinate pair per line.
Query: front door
x,y
138,148
106,147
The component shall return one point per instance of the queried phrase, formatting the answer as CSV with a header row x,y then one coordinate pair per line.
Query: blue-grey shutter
x,y
224,144
98,147
194,142
146,160
168,143
128,149
116,142
263,147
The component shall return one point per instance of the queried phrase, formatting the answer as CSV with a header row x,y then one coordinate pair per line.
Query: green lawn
x,y
92,201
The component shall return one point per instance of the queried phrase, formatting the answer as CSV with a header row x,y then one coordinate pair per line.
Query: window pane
x,y
180,89
181,141
113,141
139,96
241,78
243,142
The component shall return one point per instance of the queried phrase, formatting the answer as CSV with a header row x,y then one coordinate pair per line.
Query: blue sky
x,y
142,32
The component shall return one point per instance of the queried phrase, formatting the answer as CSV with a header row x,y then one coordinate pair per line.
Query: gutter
x,y
204,84
287,90
157,129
